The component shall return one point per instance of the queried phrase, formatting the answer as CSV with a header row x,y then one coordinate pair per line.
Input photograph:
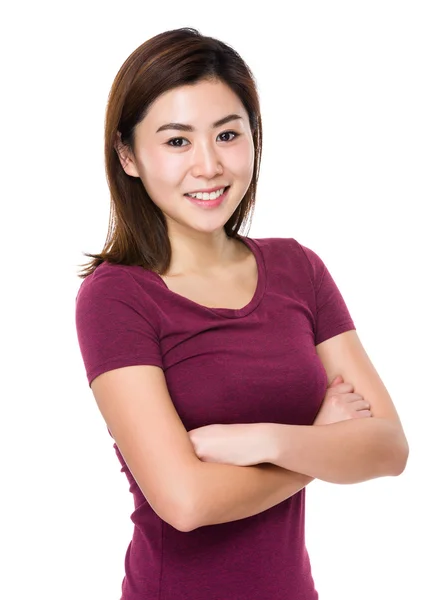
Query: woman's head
x,y
178,76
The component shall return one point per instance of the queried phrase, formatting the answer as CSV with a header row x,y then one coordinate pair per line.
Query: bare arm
x,y
346,452
182,490
227,493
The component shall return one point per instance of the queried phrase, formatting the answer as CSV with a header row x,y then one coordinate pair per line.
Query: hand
x,y
242,445
341,403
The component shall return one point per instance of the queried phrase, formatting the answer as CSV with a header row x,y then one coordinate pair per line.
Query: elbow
x,y
188,527
184,527
400,458
186,518
190,513
193,516
176,518
177,513
186,523
393,450
394,454
389,462
182,522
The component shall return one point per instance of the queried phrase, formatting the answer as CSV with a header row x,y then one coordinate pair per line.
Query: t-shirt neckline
x,y
233,313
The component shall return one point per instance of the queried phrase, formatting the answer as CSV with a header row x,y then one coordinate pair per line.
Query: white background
x,y
347,95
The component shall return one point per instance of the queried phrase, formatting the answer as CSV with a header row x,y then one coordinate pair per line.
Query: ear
x,y
125,157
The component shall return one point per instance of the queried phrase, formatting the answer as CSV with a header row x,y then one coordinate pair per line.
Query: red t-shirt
x,y
256,364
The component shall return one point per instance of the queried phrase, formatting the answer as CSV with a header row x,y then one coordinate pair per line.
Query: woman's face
x,y
172,161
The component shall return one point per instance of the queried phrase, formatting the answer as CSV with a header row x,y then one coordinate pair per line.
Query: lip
x,y
210,203
209,191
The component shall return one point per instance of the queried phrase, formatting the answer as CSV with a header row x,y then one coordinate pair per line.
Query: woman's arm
x,y
346,452
227,493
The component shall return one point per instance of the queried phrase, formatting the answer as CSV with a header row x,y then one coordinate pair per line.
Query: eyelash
x,y
235,134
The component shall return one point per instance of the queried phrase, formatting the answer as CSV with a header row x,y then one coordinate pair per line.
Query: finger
x,y
361,405
352,397
343,388
362,413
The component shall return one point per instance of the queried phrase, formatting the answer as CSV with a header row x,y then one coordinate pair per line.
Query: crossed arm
x,y
345,452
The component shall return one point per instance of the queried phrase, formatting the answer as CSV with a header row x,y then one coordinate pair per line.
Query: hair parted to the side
x,y
137,232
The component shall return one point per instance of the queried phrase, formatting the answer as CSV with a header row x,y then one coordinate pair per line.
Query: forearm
x,y
345,452
227,493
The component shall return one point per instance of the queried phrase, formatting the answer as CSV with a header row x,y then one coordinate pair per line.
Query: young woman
x,y
228,369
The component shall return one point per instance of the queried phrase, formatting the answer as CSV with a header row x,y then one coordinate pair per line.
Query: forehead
x,y
198,104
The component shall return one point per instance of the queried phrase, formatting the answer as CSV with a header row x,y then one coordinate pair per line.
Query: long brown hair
x,y
137,233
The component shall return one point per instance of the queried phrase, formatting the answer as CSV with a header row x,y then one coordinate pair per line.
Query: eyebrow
x,y
183,127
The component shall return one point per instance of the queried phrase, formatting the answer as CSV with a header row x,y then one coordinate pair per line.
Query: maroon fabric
x,y
256,364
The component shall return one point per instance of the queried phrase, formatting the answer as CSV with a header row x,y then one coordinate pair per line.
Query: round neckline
x,y
256,298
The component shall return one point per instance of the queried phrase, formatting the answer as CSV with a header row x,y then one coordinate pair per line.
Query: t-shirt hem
x,y
336,330
118,363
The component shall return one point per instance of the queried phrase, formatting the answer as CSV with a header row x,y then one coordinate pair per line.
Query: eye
x,y
234,133
172,141
175,140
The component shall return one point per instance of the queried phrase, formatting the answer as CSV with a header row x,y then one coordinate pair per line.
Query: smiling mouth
x,y
225,189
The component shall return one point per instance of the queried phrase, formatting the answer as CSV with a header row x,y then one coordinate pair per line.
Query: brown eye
x,y
175,140
230,133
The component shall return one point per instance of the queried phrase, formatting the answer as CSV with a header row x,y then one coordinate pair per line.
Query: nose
x,y
206,161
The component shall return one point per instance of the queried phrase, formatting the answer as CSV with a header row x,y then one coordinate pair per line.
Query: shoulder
x,y
290,249
110,279
119,294
106,274
282,244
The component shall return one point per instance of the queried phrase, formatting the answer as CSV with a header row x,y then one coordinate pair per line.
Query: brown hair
x,y
137,233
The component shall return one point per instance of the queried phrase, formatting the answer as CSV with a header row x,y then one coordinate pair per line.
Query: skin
x,y
202,159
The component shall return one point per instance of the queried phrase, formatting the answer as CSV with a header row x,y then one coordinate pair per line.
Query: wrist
x,y
267,437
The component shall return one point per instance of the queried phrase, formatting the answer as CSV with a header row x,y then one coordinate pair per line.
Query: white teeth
x,y
206,196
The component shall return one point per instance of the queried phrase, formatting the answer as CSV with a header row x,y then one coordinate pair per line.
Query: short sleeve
x,y
114,322
332,314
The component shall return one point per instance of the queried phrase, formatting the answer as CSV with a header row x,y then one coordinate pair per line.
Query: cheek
x,y
242,159
163,169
